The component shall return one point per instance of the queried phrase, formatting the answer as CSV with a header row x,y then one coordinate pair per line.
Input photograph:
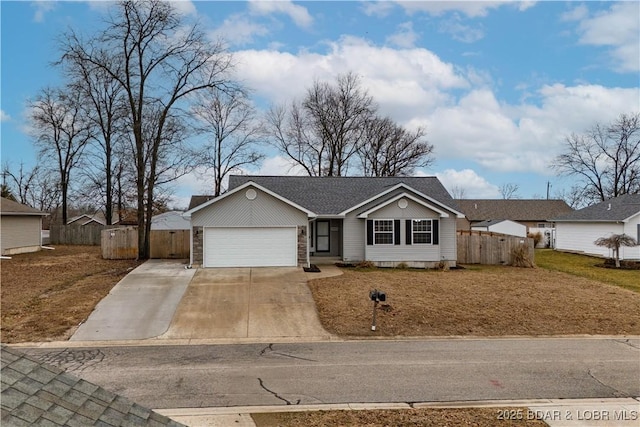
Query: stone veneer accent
x,y
198,238
302,246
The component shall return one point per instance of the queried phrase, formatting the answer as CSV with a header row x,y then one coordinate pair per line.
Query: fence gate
x,y
119,243
172,244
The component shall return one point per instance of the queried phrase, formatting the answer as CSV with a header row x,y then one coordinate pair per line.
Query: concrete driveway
x,y
254,303
140,306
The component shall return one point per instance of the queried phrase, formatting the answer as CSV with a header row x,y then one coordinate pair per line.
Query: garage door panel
x,y
250,247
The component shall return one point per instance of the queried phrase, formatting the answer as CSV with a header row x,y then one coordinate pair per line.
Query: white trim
x,y
393,232
406,187
430,233
365,215
188,213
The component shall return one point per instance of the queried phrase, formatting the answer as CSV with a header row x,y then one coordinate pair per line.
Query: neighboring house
x,y
284,220
172,220
577,231
20,228
532,213
89,219
124,217
503,226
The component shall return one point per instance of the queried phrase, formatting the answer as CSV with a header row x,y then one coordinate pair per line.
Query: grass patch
x,y
478,301
46,294
587,266
423,417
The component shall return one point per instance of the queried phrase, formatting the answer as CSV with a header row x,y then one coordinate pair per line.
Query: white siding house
x,y
578,231
504,226
284,220
20,228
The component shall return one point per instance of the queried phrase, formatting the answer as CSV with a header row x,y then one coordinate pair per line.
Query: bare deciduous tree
x,y
325,130
391,150
232,131
102,97
160,61
606,159
458,192
62,131
509,190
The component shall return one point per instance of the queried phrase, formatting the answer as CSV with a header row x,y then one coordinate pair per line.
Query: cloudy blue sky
x,y
497,84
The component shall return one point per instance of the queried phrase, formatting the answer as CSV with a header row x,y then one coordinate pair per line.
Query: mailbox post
x,y
376,296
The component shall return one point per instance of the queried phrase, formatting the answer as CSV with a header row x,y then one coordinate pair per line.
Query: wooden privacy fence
x,y
477,247
173,244
76,234
122,243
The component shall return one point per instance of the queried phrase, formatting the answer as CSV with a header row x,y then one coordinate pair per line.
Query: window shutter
x,y
369,232
408,231
396,231
436,232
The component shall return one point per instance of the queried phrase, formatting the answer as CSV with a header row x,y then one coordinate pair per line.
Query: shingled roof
x,y
532,210
34,393
333,195
9,207
617,209
198,200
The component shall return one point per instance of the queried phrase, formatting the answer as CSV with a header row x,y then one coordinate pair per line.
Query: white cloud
x,y
41,9
459,109
526,137
298,14
379,8
4,117
469,8
467,180
399,79
239,30
404,37
459,31
617,28
278,165
184,7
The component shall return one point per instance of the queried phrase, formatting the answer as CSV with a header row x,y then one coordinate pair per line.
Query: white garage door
x,y
250,247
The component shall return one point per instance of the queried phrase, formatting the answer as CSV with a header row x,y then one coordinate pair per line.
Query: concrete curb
x,y
555,412
284,340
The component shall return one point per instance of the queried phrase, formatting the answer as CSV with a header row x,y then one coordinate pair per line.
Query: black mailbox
x,y
377,295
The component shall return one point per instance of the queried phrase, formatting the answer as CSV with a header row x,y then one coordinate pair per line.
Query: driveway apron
x,y
247,303
140,306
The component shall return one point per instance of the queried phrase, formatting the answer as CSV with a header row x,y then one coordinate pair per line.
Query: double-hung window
x,y
383,232
422,231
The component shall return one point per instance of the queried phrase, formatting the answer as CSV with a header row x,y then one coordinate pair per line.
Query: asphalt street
x,y
433,370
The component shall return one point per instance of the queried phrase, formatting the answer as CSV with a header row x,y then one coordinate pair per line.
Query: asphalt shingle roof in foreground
x,y
333,195
34,393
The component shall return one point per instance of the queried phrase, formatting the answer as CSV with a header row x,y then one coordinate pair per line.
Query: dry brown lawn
x,y
46,294
477,417
478,301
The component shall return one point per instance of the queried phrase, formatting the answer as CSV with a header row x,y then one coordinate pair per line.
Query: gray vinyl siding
x,y
354,237
412,211
356,249
20,234
238,211
448,238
